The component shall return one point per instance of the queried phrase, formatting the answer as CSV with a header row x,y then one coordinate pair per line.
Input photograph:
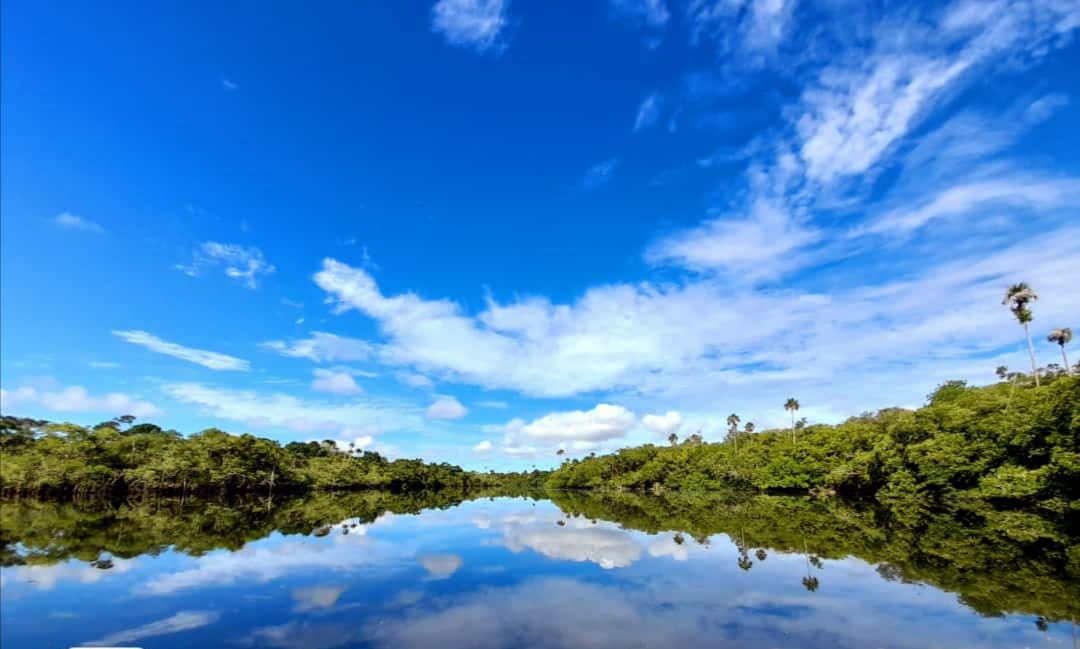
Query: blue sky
x,y
481,231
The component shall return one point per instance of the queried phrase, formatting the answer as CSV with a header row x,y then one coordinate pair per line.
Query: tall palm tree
x,y
792,405
1062,337
1001,372
673,439
733,429
1017,298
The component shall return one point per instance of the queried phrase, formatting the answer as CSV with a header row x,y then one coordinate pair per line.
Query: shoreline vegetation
x,y
996,562
1010,443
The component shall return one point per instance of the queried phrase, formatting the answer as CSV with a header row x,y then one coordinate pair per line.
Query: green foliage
x,y
1002,442
44,459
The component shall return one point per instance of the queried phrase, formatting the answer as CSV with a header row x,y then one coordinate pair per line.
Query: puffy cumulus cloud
x,y
335,382
76,399
667,547
260,410
69,221
414,380
244,263
603,422
46,577
266,560
484,446
606,547
176,623
322,347
440,566
314,598
838,350
208,359
474,24
446,408
664,424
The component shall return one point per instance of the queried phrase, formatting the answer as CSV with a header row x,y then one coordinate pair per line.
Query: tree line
x,y
120,457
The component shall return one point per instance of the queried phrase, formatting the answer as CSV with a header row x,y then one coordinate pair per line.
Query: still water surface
x,y
591,571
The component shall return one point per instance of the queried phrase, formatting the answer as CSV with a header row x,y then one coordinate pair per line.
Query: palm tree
x,y
1001,372
1062,337
1017,298
792,404
749,427
673,439
733,429
561,451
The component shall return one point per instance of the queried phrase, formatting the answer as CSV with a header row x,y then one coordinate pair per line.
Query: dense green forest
x,y
119,457
1010,442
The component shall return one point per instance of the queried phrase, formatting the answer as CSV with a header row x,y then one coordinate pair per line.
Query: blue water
x,y
489,574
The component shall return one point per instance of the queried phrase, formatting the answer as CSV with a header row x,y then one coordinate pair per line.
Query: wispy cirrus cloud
x,y
69,221
360,416
322,347
648,112
176,623
243,263
599,174
478,25
208,359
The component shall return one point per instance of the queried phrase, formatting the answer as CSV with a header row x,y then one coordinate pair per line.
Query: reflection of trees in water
x,y
997,561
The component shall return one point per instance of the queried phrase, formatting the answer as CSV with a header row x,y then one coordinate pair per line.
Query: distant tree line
x,y
1008,442
121,457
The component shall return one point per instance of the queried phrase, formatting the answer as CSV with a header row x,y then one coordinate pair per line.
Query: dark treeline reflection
x,y
997,562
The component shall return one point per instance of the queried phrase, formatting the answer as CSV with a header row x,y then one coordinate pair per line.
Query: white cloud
x,y
1039,193
664,424
605,546
229,85
861,106
299,415
441,566
322,347
245,263
446,408
483,447
104,365
763,244
414,380
182,621
335,382
208,359
743,29
69,221
603,422
600,173
314,598
474,24
499,405
647,13
648,112
77,399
